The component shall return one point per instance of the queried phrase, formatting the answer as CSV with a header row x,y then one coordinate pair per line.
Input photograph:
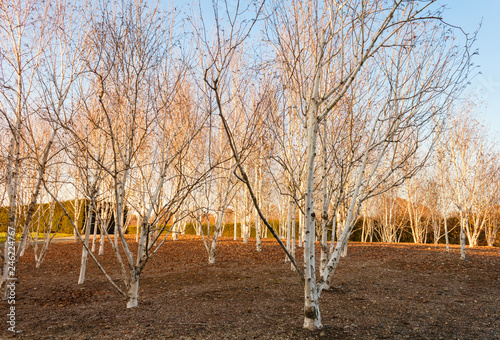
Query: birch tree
x,y
26,33
392,216
133,95
417,210
219,54
320,44
472,161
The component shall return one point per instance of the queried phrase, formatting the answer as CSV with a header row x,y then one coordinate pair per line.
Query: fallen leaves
x,y
249,294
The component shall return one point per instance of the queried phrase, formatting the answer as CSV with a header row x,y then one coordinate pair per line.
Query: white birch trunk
x,y
258,231
288,230
300,231
446,232
12,182
137,230
235,225
324,211
175,229
102,240
491,231
462,235
334,231
94,236
104,226
312,317
198,227
245,227
175,232
293,230
217,228
77,211
219,222
83,265
133,292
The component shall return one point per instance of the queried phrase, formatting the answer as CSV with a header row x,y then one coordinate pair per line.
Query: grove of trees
x,y
314,122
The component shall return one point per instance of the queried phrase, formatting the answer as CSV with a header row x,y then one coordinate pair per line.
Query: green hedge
x,y
228,229
60,223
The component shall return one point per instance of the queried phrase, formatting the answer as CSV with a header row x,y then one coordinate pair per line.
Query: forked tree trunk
x,y
34,197
479,222
218,225
133,289
39,257
491,232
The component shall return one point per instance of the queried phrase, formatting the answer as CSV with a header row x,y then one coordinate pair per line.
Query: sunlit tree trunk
x,y
258,230
463,222
312,316
288,228
88,225
235,225
293,231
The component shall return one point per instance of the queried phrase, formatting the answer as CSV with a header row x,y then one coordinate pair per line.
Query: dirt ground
x,y
401,291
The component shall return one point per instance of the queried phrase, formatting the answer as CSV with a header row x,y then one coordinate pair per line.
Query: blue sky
x,y
468,14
